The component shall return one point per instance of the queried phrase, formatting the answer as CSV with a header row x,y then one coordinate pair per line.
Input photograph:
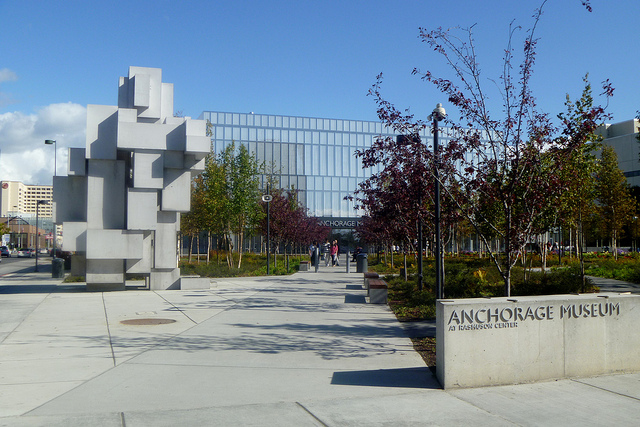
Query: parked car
x,y
25,253
4,251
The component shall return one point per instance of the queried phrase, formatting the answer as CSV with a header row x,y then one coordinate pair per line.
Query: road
x,y
14,264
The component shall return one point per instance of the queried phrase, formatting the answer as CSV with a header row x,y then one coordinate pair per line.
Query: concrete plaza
x,y
299,350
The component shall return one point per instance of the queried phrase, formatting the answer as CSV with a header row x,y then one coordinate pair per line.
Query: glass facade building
x,y
314,155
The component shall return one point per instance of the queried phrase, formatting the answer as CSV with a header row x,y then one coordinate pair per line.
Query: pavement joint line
x,y
24,318
177,308
312,414
479,408
582,381
106,317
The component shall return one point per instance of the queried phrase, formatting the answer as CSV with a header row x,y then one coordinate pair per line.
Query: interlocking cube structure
x,y
120,204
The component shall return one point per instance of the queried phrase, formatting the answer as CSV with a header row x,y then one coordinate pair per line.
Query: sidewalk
x,y
274,351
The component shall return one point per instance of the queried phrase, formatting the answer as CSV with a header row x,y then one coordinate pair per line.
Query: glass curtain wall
x,y
314,155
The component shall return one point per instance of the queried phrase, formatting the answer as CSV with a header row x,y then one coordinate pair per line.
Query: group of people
x,y
330,253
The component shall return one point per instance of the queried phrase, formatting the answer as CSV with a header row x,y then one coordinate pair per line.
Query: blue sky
x,y
304,58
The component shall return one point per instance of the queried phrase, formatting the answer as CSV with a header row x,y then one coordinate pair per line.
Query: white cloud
x,y
23,153
6,75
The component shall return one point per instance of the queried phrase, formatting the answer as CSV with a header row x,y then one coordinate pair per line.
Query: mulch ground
x,y
426,347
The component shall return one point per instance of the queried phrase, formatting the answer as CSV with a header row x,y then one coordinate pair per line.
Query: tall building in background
x,y
623,138
314,155
18,203
21,199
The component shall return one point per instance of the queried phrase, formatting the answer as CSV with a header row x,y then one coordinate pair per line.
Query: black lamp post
x,y
55,161
38,203
437,115
267,198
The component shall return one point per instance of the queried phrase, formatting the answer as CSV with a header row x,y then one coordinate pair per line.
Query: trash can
x,y
57,268
361,263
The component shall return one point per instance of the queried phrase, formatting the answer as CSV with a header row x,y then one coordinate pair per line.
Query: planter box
x,y
496,341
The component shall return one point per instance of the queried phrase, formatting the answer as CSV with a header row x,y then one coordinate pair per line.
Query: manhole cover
x,y
147,321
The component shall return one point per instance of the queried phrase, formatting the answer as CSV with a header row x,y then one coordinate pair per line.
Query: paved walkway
x,y
278,351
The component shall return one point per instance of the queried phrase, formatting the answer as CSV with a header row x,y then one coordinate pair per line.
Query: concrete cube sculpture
x,y
120,204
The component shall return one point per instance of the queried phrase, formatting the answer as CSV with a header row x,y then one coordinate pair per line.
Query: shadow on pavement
x,y
41,289
355,299
403,377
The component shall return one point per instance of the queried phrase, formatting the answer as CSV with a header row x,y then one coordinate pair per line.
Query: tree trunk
x,y
240,246
405,265
198,246
208,245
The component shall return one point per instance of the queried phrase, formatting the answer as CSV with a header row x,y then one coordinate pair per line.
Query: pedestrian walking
x,y
334,254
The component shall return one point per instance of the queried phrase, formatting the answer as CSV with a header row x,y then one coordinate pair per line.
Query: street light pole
x,y
437,115
38,203
55,165
267,198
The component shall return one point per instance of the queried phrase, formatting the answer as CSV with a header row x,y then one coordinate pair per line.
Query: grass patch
x,y
472,277
252,265
73,279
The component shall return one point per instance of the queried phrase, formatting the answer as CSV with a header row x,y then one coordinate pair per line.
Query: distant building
x,y
623,138
18,203
20,199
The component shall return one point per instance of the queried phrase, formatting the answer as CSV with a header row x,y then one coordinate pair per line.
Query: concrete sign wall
x,y
494,341
120,205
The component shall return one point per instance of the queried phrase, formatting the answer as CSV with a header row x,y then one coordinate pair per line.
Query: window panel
x,y
292,170
300,160
331,170
323,160
276,154
345,161
260,151
268,152
327,203
308,170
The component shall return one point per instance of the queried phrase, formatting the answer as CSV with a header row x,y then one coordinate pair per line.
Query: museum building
x,y
314,155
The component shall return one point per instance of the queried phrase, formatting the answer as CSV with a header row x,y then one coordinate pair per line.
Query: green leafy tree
x,y
241,173
616,206
577,200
